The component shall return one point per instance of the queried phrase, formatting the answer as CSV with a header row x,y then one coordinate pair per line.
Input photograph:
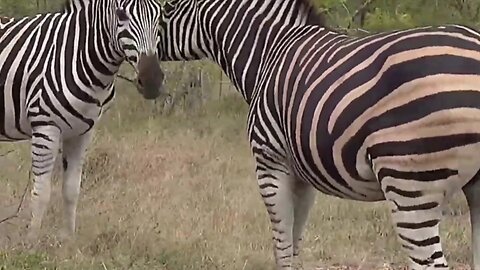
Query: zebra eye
x,y
122,15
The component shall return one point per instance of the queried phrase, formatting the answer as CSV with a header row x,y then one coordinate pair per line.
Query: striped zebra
x,y
57,74
392,116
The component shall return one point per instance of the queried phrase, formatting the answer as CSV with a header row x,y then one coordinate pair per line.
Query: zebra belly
x,y
73,126
333,173
335,163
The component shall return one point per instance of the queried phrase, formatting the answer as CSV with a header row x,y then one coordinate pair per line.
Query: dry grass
x,y
179,193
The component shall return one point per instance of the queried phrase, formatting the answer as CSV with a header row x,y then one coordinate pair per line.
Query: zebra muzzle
x,y
150,77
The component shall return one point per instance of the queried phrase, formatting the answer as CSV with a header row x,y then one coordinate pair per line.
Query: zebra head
x,y
137,34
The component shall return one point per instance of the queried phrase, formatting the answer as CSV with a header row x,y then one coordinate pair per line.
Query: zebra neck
x,y
241,36
253,33
96,55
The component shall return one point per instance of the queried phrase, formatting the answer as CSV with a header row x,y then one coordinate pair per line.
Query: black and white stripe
x,y
57,74
393,116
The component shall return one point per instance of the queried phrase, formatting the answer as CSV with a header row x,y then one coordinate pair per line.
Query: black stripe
x,y
39,159
421,262
278,240
35,124
418,207
269,204
437,255
422,145
269,195
267,175
267,185
64,163
41,135
275,220
271,212
277,230
40,146
419,225
110,96
426,176
421,243
40,155
404,193
129,47
40,167
284,248
37,174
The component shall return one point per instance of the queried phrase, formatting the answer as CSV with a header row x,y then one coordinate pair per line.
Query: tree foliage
x,y
19,8
380,15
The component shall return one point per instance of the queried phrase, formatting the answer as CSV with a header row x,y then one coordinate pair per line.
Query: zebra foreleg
x,y
416,215
472,194
74,151
45,146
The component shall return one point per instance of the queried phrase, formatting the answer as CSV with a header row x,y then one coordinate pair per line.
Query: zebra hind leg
x,y
74,151
276,189
472,194
44,145
304,198
416,214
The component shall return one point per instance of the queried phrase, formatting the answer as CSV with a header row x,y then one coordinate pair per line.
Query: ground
x,y
179,193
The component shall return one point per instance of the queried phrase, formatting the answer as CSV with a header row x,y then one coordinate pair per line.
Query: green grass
x,y
179,193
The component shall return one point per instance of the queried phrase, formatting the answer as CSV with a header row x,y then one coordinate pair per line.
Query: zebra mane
x,y
313,16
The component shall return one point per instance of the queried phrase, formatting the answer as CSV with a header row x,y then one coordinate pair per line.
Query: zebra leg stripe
x,y
45,146
288,202
73,157
416,215
275,188
472,194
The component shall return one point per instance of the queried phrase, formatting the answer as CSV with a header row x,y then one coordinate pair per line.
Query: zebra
x,y
391,116
57,73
